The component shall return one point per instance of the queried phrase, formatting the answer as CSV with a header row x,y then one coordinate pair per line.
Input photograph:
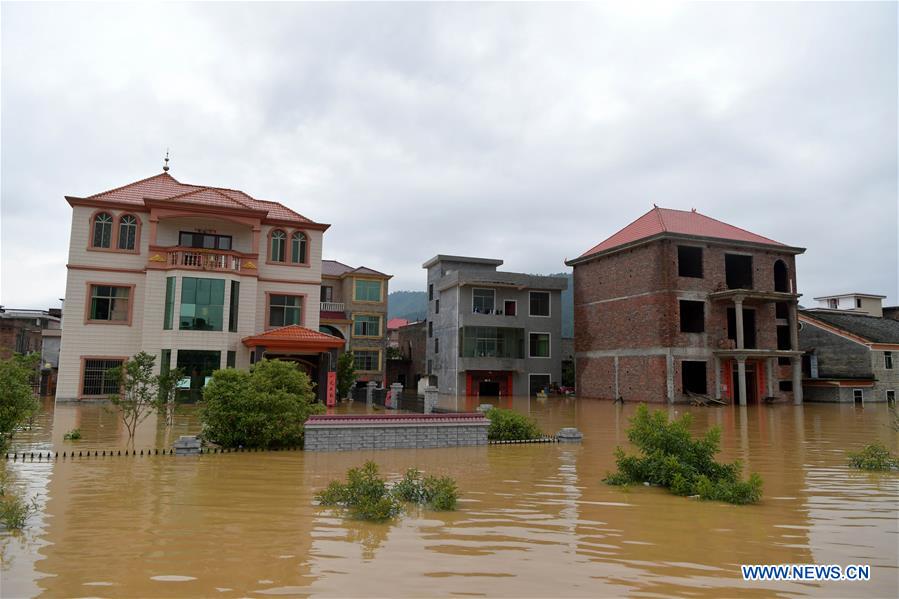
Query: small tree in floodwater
x,y
142,392
346,374
671,458
18,403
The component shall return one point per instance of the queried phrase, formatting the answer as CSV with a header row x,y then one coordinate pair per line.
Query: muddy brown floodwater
x,y
533,521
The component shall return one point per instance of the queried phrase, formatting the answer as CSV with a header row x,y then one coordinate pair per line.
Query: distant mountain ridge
x,y
413,305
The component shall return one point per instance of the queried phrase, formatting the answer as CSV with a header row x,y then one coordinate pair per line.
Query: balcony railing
x,y
332,307
200,259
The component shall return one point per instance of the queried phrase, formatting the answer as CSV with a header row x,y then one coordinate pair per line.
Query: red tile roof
x,y
395,323
166,187
294,336
682,222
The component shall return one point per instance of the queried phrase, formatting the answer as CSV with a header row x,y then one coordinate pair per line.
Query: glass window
x,y
858,395
366,326
165,361
231,359
279,239
202,304
95,379
483,300
284,310
888,360
102,237
367,360
539,303
204,240
367,290
298,243
327,293
169,303
233,306
539,345
109,303
198,366
127,232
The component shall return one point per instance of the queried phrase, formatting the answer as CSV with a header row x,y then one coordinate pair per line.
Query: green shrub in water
x,y
438,493
14,511
873,457
509,425
72,435
671,458
366,496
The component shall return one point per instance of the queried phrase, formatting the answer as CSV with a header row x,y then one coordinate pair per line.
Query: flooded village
x,y
676,309
449,300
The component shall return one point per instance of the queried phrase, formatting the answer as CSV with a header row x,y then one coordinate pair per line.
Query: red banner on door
x,y
332,389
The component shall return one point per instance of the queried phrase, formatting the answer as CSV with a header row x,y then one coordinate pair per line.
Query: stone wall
x,y
400,431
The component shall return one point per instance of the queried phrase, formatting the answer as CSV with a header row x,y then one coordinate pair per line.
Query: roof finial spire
x,y
165,167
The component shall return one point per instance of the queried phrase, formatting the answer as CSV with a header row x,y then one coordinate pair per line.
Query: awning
x,y
294,338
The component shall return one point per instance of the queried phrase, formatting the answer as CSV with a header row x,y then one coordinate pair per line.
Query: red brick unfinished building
x,y
678,303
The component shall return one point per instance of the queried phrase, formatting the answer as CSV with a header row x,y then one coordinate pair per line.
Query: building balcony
x,y
332,307
165,258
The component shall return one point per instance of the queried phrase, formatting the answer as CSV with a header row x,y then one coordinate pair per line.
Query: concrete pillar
x,y
770,369
738,308
796,365
795,362
669,362
717,378
430,399
396,391
617,392
741,379
370,392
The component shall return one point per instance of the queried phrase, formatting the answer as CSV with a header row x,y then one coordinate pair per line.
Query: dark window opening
x,y
538,383
327,293
785,386
437,307
231,359
488,389
783,337
738,271
436,346
689,261
858,395
430,328
692,316
781,310
858,302
748,327
430,292
693,377
781,278
510,307
539,303
233,306
198,366
204,240
783,361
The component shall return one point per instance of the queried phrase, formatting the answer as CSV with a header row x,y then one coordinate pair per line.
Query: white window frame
x,y
505,301
549,345
546,374
861,392
549,305
493,291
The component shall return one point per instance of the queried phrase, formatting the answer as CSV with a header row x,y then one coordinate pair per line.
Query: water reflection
x,y
534,520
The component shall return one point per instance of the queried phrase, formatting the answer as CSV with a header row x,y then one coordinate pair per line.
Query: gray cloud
x,y
525,132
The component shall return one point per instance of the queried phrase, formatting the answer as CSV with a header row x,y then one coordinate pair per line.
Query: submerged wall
x,y
394,431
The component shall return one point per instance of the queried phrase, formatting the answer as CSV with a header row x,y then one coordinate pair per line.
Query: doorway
x,y
751,384
488,389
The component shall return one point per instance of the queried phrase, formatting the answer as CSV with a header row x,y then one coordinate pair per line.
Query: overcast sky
x,y
522,132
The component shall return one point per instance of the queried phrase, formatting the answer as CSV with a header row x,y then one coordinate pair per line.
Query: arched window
x,y
102,237
781,277
298,247
127,232
279,241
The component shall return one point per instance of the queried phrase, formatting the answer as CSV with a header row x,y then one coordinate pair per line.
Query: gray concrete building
x,y
849,356
491,333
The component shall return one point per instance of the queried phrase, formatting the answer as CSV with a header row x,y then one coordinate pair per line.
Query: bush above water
x,y
873,457
509,425
265,407
366,496
671,458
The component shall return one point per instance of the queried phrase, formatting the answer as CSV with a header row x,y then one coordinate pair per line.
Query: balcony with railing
x,y
332,307
201,259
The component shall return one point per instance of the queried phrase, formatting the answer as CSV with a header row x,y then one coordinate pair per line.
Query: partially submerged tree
x,y
18,402
346,374
167,393
265,407
138,396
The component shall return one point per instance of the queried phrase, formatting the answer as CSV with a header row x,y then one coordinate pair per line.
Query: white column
x,y
741,379
738,309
